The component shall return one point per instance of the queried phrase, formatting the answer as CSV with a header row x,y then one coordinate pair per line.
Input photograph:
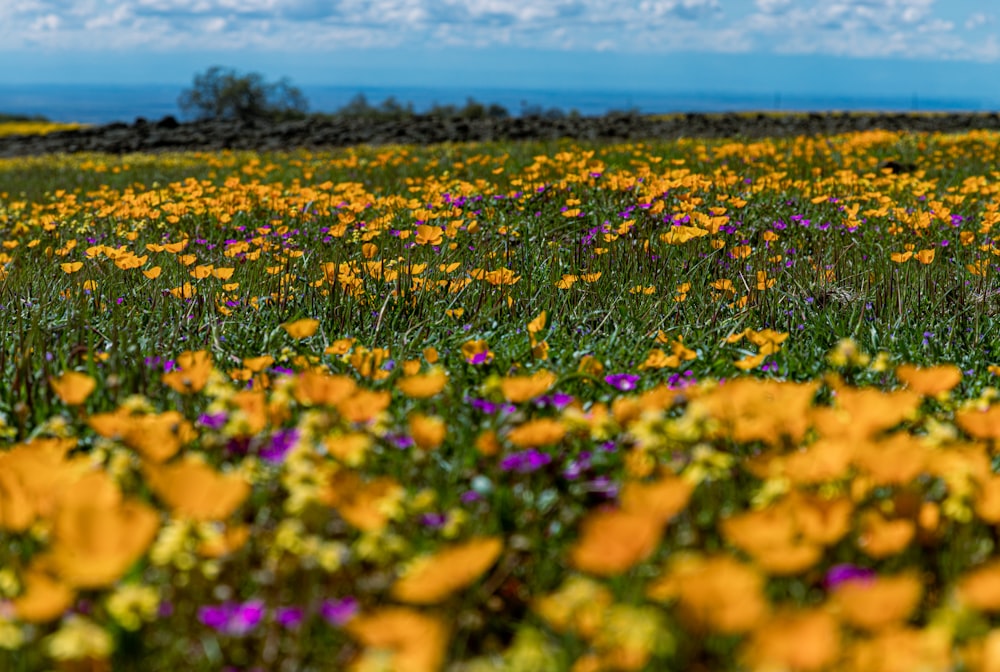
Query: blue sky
x,y
863,47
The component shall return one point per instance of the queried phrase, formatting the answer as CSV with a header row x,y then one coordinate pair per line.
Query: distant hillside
x,y
4,118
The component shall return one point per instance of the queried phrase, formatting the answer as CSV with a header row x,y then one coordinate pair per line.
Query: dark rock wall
x,y
169,135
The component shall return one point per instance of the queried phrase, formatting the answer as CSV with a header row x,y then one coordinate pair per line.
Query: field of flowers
x,y
697,405
34,127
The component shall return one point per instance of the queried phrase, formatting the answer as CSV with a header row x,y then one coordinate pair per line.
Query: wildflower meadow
x,y
697,405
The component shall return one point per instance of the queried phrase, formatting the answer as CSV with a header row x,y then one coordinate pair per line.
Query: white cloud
x,y
863,28
978,19
773,6
905,28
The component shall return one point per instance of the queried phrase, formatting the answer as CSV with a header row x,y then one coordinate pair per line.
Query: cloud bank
x,y
920,29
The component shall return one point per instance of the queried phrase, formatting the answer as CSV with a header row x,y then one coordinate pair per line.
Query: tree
x,y
220,93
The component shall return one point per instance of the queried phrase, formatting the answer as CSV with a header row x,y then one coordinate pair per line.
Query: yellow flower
x,y
11,635
79,638
630,635
133,603
579,605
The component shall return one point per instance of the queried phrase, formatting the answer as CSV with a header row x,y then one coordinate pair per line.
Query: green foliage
x,y
392,109
220,93
6,118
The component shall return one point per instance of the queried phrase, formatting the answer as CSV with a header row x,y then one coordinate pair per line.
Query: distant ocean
x,y
100,104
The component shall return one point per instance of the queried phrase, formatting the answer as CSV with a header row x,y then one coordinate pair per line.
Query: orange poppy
x,y
718,594
868,412
980,424
348,448
364,406
73,387
43,598
95,540
612,542
432,579
229,541
427,432
316,387
17,512
366,506
537,432
875,605
880,538
896,460
194,368
423,386
980,588
518,389
932,381
662,499
195,490
987,503
808,640
825,460
158,437
822,521
750,409
300,329
414,641
900,650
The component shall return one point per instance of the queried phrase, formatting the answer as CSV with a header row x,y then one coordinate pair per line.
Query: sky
x,y
944,48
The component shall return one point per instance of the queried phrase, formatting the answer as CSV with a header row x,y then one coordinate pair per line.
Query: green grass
x,y
833,276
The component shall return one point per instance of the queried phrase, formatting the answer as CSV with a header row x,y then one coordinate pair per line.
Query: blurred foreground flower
x,y
232,618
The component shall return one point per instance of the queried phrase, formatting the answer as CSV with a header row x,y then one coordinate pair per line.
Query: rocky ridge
x,y
168,134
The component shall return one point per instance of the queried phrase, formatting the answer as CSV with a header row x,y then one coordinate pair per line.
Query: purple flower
x,y
841,574
338,612
622,381
575,468
603,486
401,441
433,520
525,461
232,618
558,399
279,445
212,420
483,405
479,358
288,617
